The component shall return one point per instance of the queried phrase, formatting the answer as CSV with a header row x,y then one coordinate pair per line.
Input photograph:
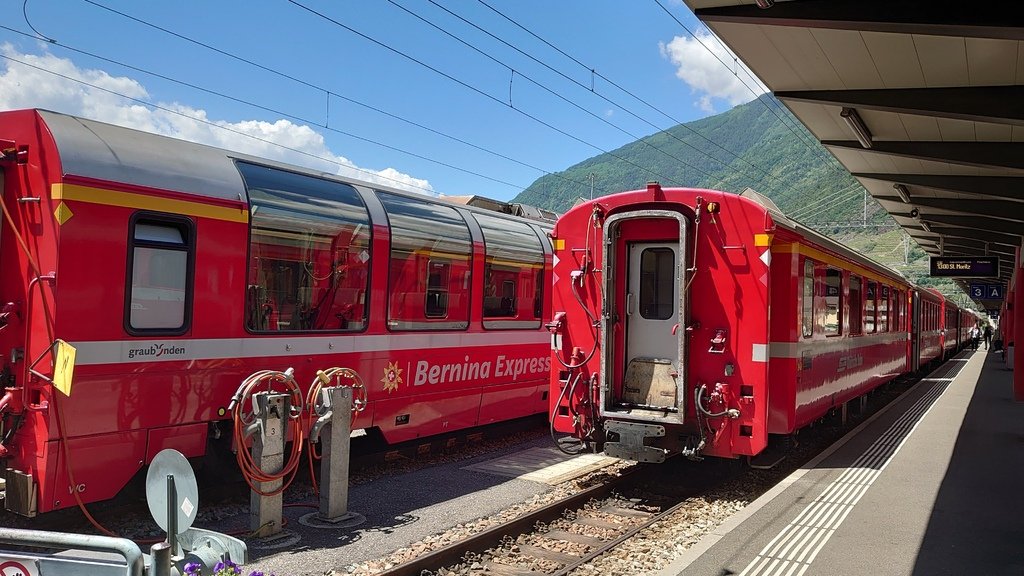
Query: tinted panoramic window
x,y
309,253
431,253
513,272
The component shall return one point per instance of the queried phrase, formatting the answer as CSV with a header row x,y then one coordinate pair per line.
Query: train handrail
x,y
135,563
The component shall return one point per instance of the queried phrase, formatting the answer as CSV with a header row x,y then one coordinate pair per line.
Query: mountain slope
x,y
765,148
746,146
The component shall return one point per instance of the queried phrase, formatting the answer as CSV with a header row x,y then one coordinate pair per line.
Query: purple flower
x,y
227,568
193,569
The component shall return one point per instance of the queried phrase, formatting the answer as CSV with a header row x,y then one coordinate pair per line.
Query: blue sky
x,y
341,86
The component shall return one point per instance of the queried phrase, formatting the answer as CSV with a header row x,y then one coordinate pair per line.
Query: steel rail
x,y
524,524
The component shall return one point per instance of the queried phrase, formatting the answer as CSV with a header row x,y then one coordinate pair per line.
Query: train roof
x,y
792,225
102,151
764,203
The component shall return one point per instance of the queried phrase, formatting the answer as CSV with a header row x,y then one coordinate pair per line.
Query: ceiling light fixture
x,y
903,193
926,227
860,130
764,4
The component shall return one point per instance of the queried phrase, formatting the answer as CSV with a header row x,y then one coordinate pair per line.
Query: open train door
x,y
643,380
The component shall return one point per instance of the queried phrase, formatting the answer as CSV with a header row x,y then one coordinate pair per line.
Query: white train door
x,y
652,307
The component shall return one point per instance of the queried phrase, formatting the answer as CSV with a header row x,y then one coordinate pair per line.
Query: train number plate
x,y
18,566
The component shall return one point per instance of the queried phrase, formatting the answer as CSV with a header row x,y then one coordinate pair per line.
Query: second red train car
x,y
702,322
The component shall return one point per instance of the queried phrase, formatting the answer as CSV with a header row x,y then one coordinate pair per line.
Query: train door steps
x,y
547,465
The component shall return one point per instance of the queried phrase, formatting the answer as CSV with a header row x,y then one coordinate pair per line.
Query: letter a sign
x,y
987,291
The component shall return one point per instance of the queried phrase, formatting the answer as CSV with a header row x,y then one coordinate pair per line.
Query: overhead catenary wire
x,y
477,90
592,89
373,174
807,209
330,93
542,86
637,97
212,124
842,202
814,148
319,88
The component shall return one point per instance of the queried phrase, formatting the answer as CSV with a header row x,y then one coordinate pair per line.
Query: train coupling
x,y
630,443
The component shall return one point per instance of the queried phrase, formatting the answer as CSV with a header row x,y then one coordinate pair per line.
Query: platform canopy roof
x,y
938,87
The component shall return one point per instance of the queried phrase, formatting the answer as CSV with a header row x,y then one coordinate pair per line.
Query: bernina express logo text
x,y
157,351
427,372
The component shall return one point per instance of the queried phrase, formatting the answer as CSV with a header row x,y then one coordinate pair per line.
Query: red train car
x,y
966,320
928,330
950,334
176,270
701,322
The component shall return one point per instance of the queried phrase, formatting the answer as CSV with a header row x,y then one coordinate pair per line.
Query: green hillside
x,y
758,145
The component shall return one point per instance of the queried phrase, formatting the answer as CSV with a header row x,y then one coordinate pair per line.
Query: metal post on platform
x,y
334,429
172,515
160,554
265,512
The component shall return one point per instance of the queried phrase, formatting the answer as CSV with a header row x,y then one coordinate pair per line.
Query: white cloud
x,y
28,85
697,63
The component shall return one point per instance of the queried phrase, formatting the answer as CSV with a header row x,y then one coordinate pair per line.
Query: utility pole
x,y
865,207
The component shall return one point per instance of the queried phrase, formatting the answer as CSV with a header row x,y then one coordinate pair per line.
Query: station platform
x,y
933,485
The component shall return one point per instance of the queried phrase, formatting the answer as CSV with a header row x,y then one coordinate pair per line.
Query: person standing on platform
x,y
987,333
975,336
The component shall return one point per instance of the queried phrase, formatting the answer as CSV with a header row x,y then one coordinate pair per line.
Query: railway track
x,y
575,534
569,533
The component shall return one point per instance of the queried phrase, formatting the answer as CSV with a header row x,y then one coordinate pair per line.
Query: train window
x,y
309,253
870,293
160,275
856,305
833,291
657,280
807,313
900,310
513,273
883,309
431,253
